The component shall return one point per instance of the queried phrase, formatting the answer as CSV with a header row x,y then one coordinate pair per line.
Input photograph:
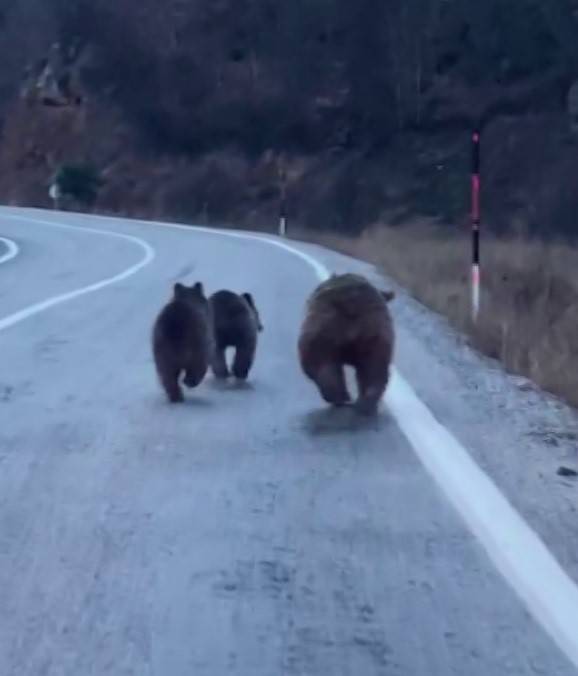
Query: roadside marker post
x,y
475,225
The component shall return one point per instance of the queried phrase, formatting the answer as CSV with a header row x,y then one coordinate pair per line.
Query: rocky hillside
x,y
203,109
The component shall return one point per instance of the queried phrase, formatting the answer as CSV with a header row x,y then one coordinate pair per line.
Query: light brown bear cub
x,y
236,324
182,340
347,322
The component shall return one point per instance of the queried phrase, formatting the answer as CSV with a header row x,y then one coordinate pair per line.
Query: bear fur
x,y
347,323
182,340
236,324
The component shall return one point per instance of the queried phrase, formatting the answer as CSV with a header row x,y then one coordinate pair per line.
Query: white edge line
x,y
21,315
516,550
13,250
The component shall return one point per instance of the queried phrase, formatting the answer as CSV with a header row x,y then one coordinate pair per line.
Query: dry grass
x,y
529,305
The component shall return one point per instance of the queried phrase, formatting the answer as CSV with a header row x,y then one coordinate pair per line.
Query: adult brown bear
x,y
347,323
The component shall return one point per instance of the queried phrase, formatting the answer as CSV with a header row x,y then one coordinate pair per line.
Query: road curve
x,y
249,531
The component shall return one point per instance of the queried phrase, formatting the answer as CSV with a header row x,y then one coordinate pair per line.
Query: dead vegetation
x,y
529,313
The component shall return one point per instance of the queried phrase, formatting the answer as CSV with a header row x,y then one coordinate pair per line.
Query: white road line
x,y
25,313
516,550
12,250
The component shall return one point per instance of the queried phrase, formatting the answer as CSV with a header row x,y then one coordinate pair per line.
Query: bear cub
x,y
182,340
236,324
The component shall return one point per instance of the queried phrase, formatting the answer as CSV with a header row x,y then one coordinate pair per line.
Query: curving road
x,y
249,531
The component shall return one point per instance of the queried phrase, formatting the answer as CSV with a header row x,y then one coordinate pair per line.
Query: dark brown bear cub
x,y
182,340
347,322
236,323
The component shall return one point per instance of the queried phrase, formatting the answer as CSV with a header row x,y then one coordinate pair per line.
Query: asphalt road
x,y
249,531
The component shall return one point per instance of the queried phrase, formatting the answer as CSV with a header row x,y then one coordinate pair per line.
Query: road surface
x,y
249,531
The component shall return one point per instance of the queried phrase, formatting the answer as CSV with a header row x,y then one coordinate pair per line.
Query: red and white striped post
x,y
475,224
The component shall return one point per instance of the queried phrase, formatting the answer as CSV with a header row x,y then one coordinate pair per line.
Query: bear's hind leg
x,y
194,374
219,364
372,378
169,377
330,379
244,357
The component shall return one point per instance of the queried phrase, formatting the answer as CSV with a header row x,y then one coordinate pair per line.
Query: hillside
x,y
191,109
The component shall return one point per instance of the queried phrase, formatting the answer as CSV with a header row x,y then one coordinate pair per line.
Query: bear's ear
x,y
249,298
388,296
199,289
179,290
